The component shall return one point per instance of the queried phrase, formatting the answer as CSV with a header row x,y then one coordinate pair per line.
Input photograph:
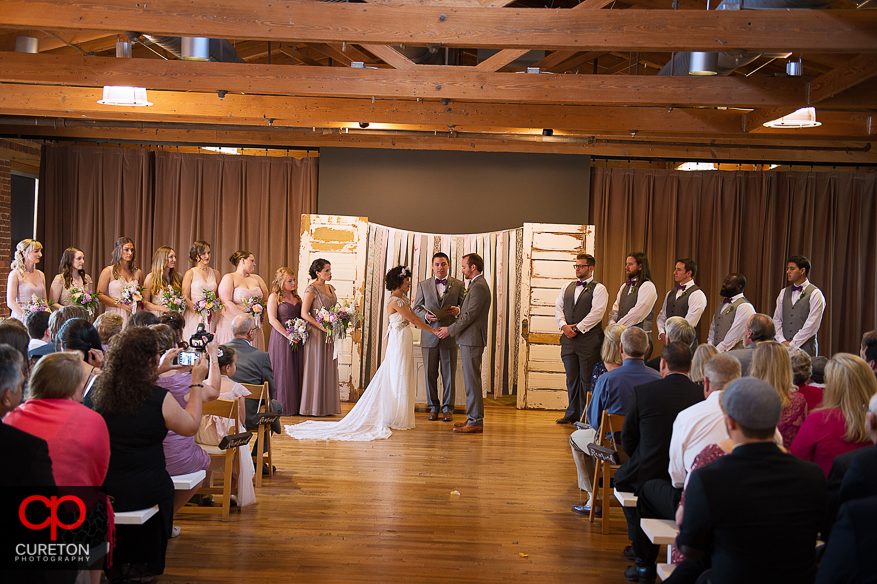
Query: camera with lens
x,y
200,338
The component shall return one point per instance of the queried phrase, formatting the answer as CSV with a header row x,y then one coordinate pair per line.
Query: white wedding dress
x,y
388,401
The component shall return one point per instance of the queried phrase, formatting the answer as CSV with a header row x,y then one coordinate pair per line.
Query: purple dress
x,y
287,364
181,454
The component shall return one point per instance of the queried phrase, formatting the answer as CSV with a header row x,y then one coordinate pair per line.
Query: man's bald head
x,y
242,325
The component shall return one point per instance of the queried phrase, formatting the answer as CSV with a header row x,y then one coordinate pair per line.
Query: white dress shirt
x,y
598,306
814,319
645,303
738,327
696,306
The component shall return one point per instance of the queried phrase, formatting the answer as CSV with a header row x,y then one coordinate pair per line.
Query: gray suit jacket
x,y
254,367
427,299
744,355
471,326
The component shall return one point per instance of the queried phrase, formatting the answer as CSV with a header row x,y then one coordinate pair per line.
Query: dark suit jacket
x,y
427,298
25,459
862,483
42,351
755,514
254,367
849,556
648,427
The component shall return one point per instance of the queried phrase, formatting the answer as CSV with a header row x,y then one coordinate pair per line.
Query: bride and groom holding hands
x,y
450,315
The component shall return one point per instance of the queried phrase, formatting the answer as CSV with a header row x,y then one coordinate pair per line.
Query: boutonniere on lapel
x,y
449,286
465,291
590,287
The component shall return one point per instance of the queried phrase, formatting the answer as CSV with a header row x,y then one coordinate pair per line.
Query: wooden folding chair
x,y
224,409
609,424
263,434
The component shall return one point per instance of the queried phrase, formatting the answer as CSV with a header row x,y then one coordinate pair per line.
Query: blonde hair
x,y
24,246
849,384
277,284
55,376
702,355
611,350
771,363
159,264
108,324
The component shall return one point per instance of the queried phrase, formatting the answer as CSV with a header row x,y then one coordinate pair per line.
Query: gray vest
x,y
574,313
724,319
679,306
628,301
795,316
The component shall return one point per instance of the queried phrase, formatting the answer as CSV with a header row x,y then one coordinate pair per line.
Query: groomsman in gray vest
x,y
470,330
799,308
635,303
437,302
579,311
686,299
729,323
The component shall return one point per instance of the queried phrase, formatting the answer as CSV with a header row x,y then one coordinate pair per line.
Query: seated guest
x,y
253,366
611,393
80,337
759,328
801,372
771,363
610,353
752,515
676,328
848,555
138,415
648,426
37,329
142,318
838,426
108,325
869,350
56,321
16,337
177,323
704,353
817,373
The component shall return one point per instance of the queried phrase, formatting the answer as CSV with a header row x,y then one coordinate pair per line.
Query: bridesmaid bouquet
x,y
130,295
208,304
337,319
173,298
85,299
297,329
36,304
254,307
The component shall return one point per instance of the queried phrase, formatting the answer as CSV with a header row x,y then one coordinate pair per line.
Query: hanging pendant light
x,y
122,94
703,64
802,118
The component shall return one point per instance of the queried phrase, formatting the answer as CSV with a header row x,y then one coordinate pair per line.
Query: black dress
x,y
137,479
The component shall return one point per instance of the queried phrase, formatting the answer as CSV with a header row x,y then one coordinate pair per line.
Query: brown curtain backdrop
x,y
89,196
747,222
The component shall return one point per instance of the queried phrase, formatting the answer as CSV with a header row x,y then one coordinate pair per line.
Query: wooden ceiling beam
x,y
855,71
394,84
390,56
501,59
848,31
754,121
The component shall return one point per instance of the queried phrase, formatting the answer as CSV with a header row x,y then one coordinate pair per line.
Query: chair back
x,y
223,408
609,425
258,392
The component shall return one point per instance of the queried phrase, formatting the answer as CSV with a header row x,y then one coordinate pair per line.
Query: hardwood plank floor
x,y
384,512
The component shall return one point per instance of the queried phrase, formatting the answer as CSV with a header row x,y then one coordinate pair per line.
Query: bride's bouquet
x,y
297,329
130,295
85,299
173,298
36,304
254,307
207,305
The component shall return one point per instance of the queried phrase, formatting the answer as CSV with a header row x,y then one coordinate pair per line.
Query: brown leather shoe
x,y
432,417
467,429
448,417
460,424
564,420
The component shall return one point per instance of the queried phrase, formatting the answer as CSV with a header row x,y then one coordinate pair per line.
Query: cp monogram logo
x,y
52,503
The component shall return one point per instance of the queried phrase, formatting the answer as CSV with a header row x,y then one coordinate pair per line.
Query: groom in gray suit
x,y
470,331
437,302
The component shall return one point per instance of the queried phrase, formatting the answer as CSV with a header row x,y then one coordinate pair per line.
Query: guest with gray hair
x,y
759,328
704,353
676,329
753,515
801,372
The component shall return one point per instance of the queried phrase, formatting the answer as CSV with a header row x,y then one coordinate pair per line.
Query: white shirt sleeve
x,y
598,309
645,303
558,307
662,316
738,330
677,463
778,318
613,316
814,319
696,306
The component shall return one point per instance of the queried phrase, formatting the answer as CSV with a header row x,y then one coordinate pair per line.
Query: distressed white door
x,y
549,251
342,241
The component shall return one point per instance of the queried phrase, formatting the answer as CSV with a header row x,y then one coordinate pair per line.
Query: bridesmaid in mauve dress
x,y
121,272
284,304
25,280
196,281
234,289
320,394
72,275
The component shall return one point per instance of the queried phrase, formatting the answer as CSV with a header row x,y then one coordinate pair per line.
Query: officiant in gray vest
x,y
686,299
635,303
437,302
579,311
729,323
799,308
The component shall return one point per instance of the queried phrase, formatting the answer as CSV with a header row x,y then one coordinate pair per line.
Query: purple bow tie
x,y
631,283
580,283
797,288
680,286
442,282
727,301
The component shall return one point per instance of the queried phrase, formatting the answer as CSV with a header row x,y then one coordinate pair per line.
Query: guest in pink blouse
x,y
839,425
771,363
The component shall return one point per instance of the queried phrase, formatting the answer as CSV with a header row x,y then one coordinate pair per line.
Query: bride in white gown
x,y
388,401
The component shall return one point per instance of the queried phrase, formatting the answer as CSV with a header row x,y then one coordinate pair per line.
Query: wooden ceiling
x,y
450,74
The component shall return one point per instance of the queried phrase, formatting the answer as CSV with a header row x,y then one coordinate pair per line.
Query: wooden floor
x,y
384,512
